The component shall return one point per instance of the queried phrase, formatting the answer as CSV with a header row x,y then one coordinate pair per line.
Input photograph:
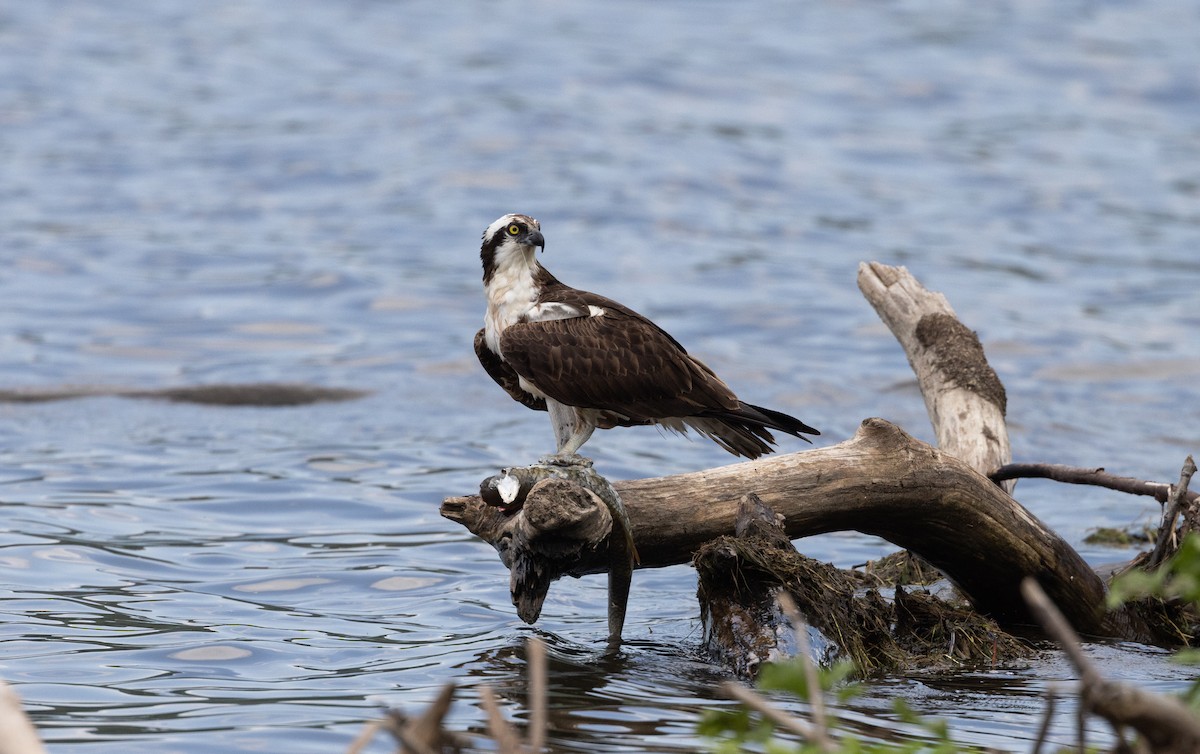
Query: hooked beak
x,y
534,238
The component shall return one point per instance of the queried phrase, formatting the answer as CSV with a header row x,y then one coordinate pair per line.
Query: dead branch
x,y
506,737
426,733
760,705
1047,717
1164,722
365,736
1167,541
1077,475
964,397
539,713
816,697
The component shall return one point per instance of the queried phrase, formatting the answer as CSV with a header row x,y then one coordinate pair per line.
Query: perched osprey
x,y
592,362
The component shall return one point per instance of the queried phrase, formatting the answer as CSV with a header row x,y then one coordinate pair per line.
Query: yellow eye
x,y
514,229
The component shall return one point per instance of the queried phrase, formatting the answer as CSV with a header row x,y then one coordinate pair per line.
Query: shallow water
x,y
234,192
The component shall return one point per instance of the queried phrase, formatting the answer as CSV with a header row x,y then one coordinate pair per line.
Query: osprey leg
x,y
570,431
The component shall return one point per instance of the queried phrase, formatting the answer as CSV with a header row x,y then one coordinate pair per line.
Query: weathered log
x,y
964,397
557,514
880,482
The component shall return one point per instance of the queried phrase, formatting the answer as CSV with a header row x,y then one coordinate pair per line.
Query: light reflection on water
x,y
229,193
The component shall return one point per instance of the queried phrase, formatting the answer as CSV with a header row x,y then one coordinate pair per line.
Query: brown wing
x,y
632,370
504,375
618,361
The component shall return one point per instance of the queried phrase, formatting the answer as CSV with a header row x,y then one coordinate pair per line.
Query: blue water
x,y
252,191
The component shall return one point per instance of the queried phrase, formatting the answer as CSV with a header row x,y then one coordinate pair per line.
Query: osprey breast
x,y
511,294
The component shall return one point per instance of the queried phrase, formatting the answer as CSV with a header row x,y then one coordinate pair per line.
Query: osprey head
x,y
509,240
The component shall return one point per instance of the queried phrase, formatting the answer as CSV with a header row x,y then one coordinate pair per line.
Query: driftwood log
x,y
881,482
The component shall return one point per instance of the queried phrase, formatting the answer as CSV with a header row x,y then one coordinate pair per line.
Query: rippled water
x,y
248,191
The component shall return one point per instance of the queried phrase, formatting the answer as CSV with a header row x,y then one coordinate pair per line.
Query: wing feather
x,y
618,361
504,375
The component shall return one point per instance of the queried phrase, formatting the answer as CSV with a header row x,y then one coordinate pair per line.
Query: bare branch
x,y
507,740
1164,722
1078,475
1047,716
538,715
1175,502
815,697
17,734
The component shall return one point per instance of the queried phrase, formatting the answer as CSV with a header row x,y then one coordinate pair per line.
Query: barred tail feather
x,y
745,431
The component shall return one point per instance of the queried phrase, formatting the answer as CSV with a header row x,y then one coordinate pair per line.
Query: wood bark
x,y
964,397
881,482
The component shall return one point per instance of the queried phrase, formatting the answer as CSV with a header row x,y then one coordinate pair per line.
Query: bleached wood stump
x,y
965,399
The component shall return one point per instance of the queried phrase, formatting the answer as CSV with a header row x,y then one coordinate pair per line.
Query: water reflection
x,y
596,697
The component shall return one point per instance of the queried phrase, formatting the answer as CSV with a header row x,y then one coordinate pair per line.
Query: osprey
x,y
591,362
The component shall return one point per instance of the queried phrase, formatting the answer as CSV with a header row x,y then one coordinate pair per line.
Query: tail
x,y
745,430
777,420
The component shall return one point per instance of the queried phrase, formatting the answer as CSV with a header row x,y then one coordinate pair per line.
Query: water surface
x,y
241,192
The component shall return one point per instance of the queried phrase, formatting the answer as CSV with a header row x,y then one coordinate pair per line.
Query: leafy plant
x,y
735,730
1177,579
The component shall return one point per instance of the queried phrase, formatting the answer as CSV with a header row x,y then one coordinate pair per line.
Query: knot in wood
x,y
560,508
